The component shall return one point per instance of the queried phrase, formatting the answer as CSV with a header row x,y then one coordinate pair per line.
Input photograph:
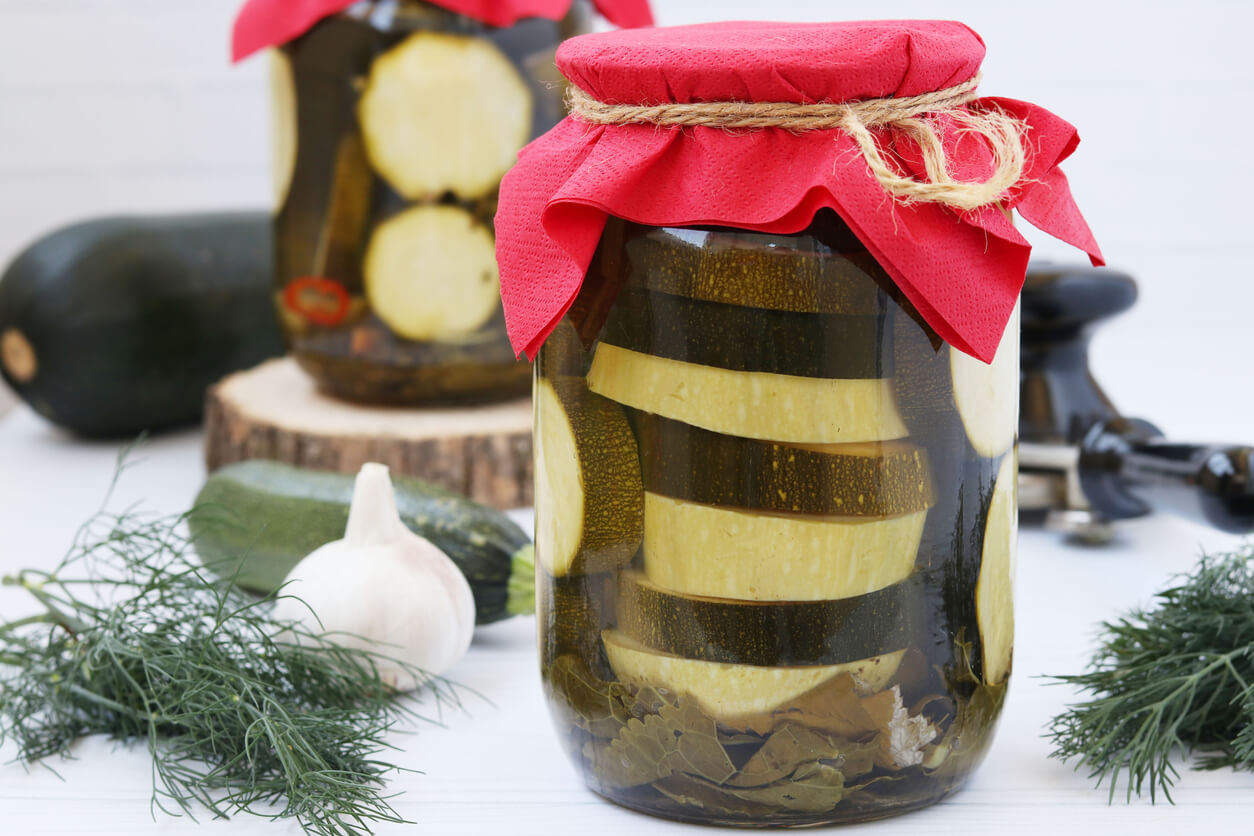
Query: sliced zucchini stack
x,y
444,113
783,503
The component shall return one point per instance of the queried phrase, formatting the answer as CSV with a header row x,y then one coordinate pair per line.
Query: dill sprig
x,y
241,714
1176,677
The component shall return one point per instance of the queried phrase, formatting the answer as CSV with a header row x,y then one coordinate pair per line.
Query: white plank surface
x,y
498,768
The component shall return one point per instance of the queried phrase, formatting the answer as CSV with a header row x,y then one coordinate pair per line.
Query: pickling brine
x,y
776,522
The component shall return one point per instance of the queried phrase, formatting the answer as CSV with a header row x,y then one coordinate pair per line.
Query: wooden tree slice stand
x,y
275,411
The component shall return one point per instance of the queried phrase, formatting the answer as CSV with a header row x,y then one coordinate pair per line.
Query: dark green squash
x,y
117,326
255,520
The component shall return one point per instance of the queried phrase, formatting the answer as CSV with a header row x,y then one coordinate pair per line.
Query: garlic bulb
x,y
383,588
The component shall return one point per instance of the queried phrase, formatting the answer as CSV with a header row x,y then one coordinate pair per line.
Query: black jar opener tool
x,y
1082,465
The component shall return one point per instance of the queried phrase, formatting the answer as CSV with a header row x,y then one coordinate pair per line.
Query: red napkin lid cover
x,y
962,269
265,23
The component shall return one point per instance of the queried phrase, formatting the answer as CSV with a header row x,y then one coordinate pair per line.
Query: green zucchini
x,y
589,502
118,325
783,634
757,271
750,339
867,479
255,520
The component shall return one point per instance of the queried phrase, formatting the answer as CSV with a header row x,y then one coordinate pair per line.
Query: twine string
x,y
912,116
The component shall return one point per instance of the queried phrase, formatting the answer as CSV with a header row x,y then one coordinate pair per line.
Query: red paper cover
x,y
266,23
962,270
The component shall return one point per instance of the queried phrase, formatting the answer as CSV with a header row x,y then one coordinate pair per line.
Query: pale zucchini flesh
x,y
737,694
700,549
994,591
444,113
589,497
760,405
431,273
283,128
987,394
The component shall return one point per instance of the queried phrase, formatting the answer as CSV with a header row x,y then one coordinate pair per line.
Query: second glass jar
x,y
395,121
776,521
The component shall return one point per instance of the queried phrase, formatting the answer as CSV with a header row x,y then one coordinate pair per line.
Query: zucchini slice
x,y
723,553
735,694
589,498
572,611
750,339
756,271
283,126
994,592
872,478
431,273
444,113
776,407
987,394
934,381
788,634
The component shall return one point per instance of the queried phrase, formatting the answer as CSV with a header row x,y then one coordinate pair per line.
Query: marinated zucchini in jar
x,y
775,531
394,123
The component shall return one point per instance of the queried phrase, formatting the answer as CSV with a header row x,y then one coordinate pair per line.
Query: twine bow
x,y
912,116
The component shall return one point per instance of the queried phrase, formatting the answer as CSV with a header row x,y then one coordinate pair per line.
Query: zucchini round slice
x,y
589,498
283,127
755,271
994,592
866,479
732,693
573,610
431,273
750,339
768,634
934,382
776,407
987,395
723,553
444,113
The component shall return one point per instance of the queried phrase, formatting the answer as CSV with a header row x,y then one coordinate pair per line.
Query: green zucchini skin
x,y
772,634
751,339
255,520
131,319
685,462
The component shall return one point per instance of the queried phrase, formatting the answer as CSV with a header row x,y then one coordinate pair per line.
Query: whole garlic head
x,y
383,588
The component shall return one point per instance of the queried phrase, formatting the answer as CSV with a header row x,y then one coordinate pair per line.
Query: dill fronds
x,y
240,713
1176,677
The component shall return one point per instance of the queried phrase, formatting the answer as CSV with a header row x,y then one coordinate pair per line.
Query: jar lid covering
x,y
266,23
962,269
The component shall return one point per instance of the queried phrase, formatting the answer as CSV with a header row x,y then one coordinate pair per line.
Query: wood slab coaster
x,y
275,411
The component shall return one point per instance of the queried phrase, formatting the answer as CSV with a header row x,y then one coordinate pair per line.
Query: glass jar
x,y
776,522
395,120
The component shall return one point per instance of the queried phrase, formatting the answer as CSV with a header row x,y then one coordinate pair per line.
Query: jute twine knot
x,y
912,116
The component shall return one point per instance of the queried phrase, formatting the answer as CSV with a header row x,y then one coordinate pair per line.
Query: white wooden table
x,y
499,769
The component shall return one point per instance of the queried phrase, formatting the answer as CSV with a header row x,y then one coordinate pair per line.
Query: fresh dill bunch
x,y
1178,676
240,713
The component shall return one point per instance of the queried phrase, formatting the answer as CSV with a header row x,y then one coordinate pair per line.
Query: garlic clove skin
x,y
384,589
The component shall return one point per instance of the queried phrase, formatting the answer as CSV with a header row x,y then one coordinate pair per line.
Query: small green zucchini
x,y
255,520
